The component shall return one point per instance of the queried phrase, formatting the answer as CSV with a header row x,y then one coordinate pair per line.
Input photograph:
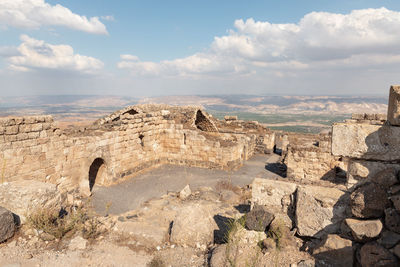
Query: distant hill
x,y
290,113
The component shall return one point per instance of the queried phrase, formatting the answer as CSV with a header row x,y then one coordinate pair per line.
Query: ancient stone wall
x,y
116,147
308,158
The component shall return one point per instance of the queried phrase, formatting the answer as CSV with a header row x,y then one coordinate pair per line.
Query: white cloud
x,y
33,14
36,54
108,18
129,57
319,41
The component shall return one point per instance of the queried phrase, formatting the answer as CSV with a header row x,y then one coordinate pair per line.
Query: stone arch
x,y
97,171
202,122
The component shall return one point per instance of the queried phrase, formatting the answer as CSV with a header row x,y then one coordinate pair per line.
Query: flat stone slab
x,y
366,141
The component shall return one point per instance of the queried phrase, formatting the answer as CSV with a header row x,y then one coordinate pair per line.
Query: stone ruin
x,y
338,204
123,144
343,193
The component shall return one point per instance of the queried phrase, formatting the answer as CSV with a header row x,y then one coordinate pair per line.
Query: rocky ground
x,y
178,229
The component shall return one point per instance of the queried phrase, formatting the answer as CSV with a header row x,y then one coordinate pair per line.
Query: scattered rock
x,y
180,257
392,220
388,239
334,251
7,225
193,224
259,218
306,263
78,243
218,257
47,237
364,231
319,210
368,201
185,192
372,254
269,244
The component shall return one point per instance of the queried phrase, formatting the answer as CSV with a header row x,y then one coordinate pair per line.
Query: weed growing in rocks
x,y
58,223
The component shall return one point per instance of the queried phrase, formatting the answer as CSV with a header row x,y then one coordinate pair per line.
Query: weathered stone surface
x,y
218,257
396,250
185,192
392,220
149,235
393,115
259,218
276,195
334,251
388,239
7,225
193,226
22,197
396,201
364,231
366,141
368,201
319,210
78,243
242,247
372,254
306,263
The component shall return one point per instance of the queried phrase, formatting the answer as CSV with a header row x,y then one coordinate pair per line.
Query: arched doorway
x,y
97,171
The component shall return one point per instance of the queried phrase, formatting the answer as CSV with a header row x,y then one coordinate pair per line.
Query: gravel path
x,y
129,194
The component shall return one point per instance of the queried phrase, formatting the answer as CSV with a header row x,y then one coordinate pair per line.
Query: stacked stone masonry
x,y
121,145
308,158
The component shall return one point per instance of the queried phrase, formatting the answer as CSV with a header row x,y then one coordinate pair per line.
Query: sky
x,y
180,47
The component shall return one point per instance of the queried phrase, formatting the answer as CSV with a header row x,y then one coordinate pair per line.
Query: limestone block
x,y
36,127
12,129
276,195
193,225
393,114
22,197
319,210
365,141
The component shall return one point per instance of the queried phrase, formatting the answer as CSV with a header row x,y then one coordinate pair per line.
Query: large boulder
x,y
366,141
194,225
368,201
393,114
7,225
259,218
319,210
278,196
364,231
372,254
334,251
23,197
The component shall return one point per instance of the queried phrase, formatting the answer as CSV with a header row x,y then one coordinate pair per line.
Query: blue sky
x,y
198,47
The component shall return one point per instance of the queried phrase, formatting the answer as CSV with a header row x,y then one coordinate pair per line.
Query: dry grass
x,y
156,262
227,185
57,224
